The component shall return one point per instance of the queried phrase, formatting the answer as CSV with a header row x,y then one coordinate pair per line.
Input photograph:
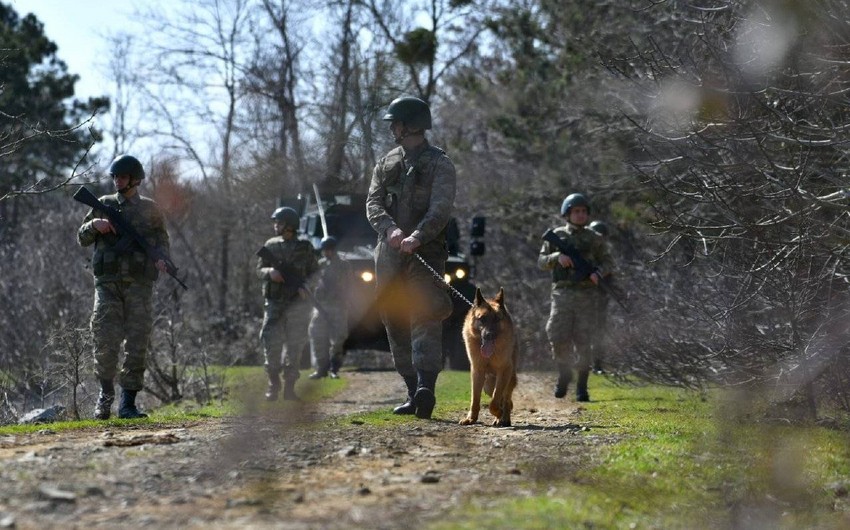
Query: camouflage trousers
x,y
284,335
572,325
599,342
413,307
327,337
122,315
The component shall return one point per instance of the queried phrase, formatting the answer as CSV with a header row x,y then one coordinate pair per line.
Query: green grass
x,y
682,460
245,388
668,458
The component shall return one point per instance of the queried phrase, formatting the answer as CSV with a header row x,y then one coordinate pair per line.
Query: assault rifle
x,y
581,267
129,234
293,280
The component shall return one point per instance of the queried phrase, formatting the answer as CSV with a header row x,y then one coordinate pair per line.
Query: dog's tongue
x,y
488,347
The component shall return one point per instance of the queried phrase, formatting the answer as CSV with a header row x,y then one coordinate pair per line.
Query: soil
x,y
302,467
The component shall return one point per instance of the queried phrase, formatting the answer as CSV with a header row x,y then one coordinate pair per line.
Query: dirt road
x,y
303,468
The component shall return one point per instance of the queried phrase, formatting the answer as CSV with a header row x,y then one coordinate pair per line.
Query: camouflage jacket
x,y
590,245
111,262
298,261
414,191
335,278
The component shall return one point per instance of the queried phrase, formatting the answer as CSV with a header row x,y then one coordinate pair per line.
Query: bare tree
x,y
741,141
200,55
273,77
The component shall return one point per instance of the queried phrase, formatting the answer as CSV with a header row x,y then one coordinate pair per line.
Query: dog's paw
x,y
467,421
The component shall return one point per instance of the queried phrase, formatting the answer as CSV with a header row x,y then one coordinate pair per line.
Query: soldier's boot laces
x,y
581,386
408,407
289,391
103,408
425,397
564,377
274,387
127,408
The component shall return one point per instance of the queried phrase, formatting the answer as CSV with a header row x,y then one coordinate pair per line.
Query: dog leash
x,y
443,280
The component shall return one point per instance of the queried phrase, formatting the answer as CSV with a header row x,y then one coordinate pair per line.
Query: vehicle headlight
x,y
367,276
460,274
447,278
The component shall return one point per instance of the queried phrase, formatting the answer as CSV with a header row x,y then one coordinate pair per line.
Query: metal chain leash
x,y
443,280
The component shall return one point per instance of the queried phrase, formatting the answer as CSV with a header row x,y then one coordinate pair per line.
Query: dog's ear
x,y
500,298
479,300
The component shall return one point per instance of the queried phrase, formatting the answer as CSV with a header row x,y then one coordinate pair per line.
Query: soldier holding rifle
x,y
124,273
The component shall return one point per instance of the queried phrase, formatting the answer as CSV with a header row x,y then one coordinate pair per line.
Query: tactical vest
x,y
409,187
295,254
583,242
114,258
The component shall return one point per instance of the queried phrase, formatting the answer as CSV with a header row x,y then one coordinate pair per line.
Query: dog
x,y
493,351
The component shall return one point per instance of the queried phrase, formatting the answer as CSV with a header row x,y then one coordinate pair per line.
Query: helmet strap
x,y
406,133
132,184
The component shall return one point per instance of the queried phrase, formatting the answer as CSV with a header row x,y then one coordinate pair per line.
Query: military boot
x,y
274,386
289,390
127,408
425,397
408,407
565,375
103,409
597,367
581,386
336,364
319,373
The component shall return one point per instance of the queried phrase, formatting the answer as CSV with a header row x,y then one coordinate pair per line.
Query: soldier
x,y
574,299
329,323
287,306
599,339
409,204
123,287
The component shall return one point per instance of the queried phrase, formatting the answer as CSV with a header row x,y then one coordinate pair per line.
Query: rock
x,y
50,414
53,493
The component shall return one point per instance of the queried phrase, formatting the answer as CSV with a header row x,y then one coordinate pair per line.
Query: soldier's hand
x,y
103,226
394,237
276,276
565,261
161,266
410,244
594,277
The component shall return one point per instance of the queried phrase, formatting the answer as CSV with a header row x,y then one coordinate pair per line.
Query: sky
x,y
79,29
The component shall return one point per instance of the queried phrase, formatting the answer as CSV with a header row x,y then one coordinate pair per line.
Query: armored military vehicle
x,y
345,218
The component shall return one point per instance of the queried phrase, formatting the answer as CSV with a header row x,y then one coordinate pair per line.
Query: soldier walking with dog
x,y
284,265
575,295
123,286
410,200
329,323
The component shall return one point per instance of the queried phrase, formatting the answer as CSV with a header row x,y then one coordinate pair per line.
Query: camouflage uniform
x,y
414,191
575,304
287,314
327,335
123,280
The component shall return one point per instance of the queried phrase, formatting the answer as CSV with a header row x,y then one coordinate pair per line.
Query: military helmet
x,y
411,111
328,242
286,216
599,227
127,165
574,199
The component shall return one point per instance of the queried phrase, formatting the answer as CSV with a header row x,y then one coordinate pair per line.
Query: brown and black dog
x,y
491,344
